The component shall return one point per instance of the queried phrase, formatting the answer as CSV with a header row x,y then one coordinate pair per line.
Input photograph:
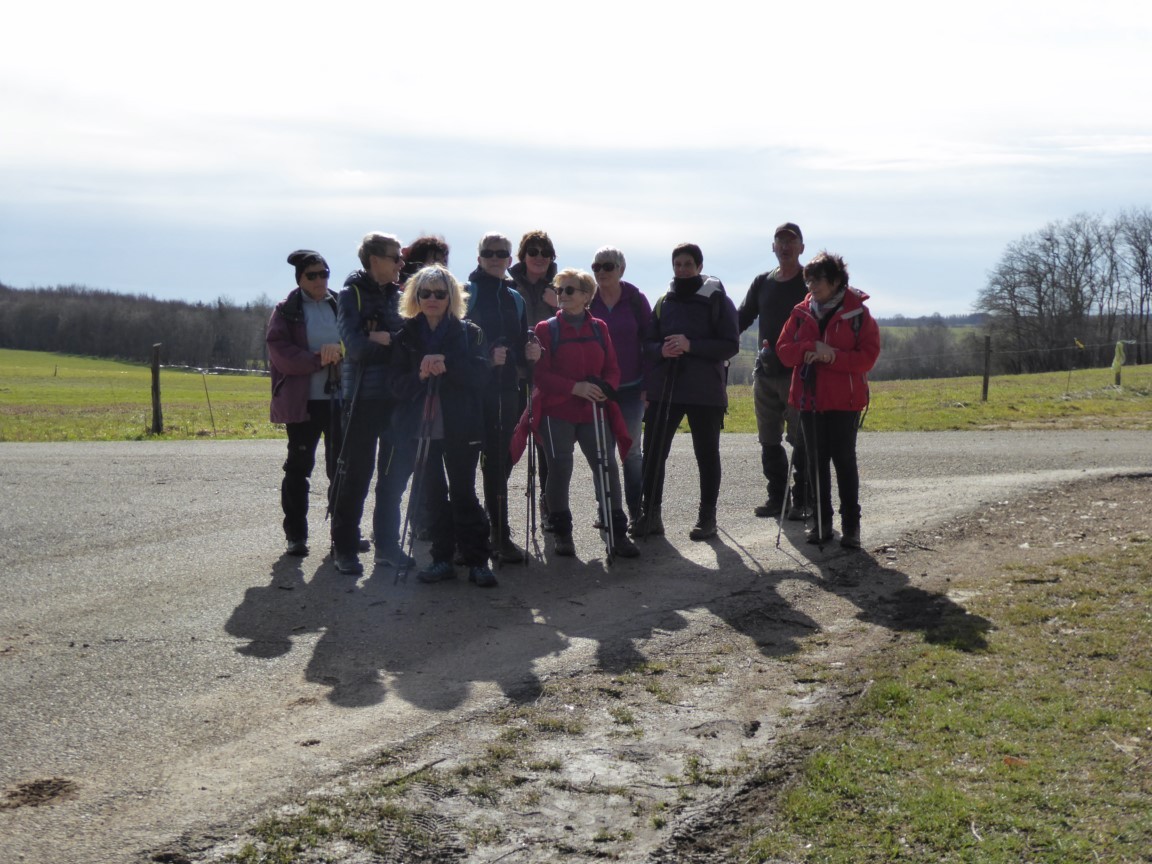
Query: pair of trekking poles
x,y
654,469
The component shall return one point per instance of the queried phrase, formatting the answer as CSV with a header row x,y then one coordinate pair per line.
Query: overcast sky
x,y
183,150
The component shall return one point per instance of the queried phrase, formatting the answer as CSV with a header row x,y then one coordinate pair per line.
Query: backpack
x,y
516,299
555,340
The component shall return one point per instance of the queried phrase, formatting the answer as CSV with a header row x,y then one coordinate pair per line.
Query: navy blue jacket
x,y
461,386
364,305
496,308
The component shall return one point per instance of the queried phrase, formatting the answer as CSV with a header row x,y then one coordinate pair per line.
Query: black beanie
x,y
302,258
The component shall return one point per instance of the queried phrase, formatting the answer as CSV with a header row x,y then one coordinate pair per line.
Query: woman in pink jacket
x,y
831,340
578,367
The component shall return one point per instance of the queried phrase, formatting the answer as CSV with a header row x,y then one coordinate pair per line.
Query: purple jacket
x,y
292,361
627,323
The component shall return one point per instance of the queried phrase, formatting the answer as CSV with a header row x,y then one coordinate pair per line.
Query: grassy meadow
x,y
56,397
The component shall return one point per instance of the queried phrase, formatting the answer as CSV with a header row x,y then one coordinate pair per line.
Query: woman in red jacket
x,y
577,366
831,341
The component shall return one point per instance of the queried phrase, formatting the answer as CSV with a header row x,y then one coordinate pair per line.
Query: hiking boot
x,y
850,537
648,523
393,557
298,548
817,539
625,548
771,508
562,544
798,513
508,552
363,545
704,528
438,572
349,565
482,576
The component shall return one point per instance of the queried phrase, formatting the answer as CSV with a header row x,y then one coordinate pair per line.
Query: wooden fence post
x,y
157,414
987,366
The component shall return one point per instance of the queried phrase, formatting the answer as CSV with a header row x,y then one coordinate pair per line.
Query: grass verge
x,y
1036,748
55,397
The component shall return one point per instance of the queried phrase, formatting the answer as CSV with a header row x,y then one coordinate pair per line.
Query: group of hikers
x,y
411,375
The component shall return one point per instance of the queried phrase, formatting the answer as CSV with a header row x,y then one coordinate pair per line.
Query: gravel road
x,y
160,655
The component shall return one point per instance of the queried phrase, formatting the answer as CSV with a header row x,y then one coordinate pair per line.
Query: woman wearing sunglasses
x,y
305,353
578,367
439,369
626,311
533,272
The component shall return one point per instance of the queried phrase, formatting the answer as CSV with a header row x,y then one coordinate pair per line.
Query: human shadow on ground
x,y
885,596
434,645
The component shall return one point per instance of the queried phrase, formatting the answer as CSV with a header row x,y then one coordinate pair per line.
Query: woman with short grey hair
x,y
626,311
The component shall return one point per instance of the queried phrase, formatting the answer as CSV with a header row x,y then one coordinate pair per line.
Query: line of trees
x,y
1086,280
76,320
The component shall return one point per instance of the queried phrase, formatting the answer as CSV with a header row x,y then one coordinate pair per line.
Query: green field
x,y
56,397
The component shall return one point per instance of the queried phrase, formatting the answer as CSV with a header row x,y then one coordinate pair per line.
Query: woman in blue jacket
x,y
439,369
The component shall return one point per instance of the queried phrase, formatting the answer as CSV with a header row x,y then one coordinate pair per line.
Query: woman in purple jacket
x,y
304,349
627,313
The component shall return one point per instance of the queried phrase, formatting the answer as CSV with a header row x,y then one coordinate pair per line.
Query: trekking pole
x,y
787,495
660,438
811,450
530,491
501,461
332,387
599,427
423,445
341,462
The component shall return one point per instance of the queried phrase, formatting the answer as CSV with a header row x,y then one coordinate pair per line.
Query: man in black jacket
x,y
771,298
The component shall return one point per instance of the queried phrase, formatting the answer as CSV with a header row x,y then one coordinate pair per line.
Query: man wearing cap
x,y
771,298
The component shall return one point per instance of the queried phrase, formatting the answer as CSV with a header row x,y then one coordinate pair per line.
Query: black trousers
x,y
660,423
303,439
501,413
448,494
830,440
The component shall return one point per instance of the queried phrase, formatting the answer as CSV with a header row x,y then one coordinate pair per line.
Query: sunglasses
x,y
428,293
537,252
570,290
317,274
607,266
495,253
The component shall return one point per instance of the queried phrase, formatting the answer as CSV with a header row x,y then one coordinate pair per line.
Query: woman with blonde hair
x,y
439,369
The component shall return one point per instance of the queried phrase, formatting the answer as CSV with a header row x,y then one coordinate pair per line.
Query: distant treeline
x,y
72,319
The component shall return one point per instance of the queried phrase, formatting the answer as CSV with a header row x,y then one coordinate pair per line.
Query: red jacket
x,y
580,355
854,336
